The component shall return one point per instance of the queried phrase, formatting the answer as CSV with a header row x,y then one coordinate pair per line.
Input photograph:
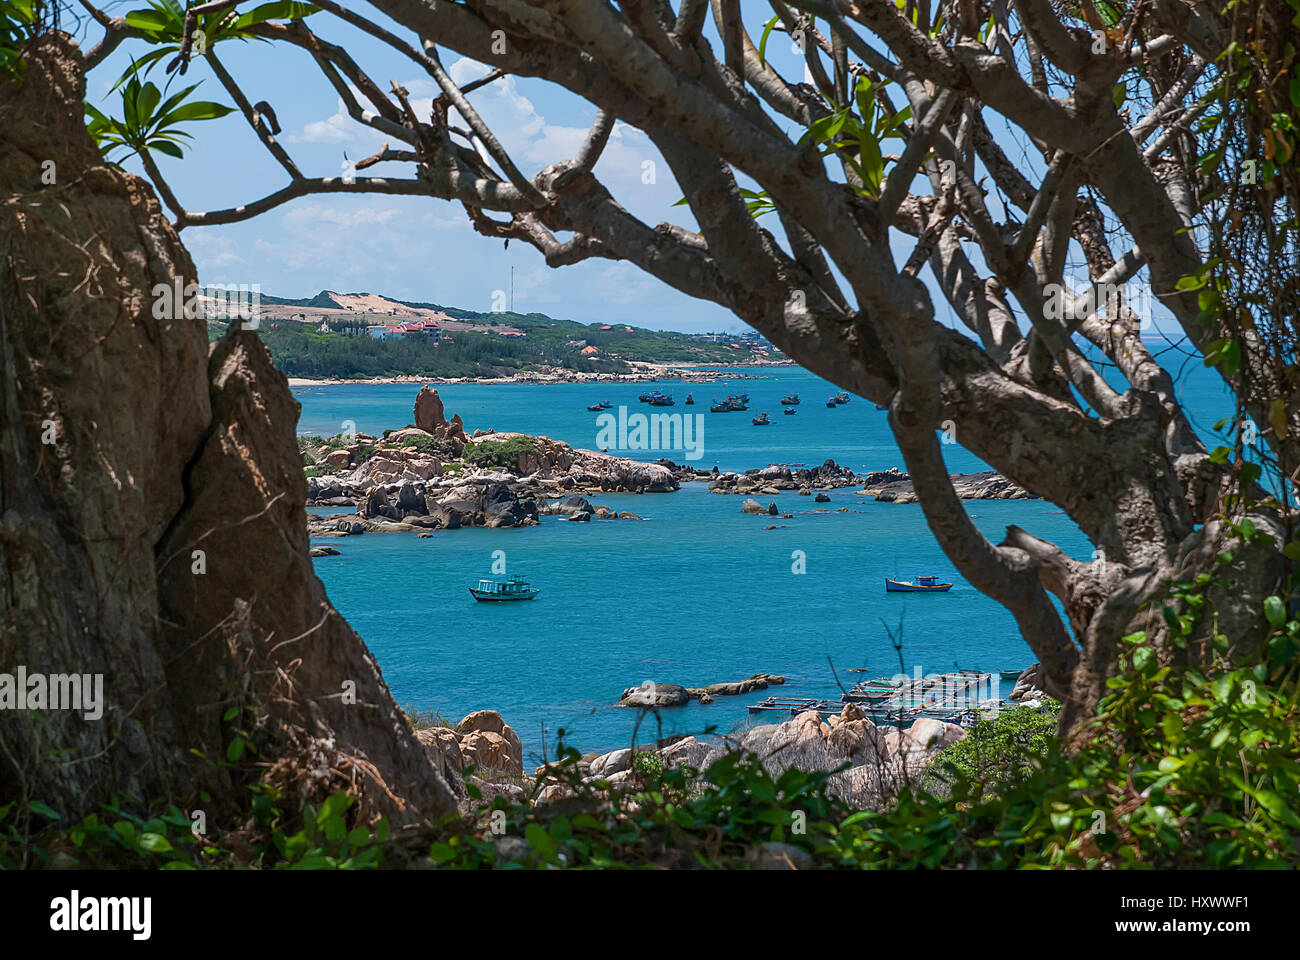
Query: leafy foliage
x,y
498,453
148,122
162,24
20,21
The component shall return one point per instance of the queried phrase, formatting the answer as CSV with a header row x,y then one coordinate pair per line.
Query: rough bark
x,y
160,447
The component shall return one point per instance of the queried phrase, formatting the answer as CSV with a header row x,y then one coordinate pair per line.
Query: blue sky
x,y
410,248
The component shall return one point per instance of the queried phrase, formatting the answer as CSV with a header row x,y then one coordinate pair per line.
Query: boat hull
x,y
500,598
899,586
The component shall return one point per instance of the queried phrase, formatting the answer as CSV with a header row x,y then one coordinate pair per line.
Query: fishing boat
x,y
501,590
841,397
762,420
689,400
790,410
1011,675
596,406
662,400
790,399
723,407
917,585
832,402
649,396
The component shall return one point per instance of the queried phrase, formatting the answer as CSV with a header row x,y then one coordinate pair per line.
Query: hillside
x,y
327,336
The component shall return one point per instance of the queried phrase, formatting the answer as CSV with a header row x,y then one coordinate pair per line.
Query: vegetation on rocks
x,y
499,453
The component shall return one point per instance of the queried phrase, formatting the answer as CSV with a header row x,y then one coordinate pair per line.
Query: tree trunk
x,y
152,524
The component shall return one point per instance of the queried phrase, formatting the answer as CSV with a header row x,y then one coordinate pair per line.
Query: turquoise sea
x,y
698,593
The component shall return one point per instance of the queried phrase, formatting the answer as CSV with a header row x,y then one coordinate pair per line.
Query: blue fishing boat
x,y
790,398
762,420
790,411
503,590
917,585
661,400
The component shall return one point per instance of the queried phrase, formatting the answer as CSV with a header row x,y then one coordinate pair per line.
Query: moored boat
x,y
762,420
689,400
790,410
917,585
841,397
1012,675
832,402
790,399
596,406
490,590
662,400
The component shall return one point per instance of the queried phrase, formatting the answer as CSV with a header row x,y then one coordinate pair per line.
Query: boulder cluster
x,y
649,695
433,476
776,478
894,486
881,759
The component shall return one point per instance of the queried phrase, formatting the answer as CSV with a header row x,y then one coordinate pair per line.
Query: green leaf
x,y
198,110
44,810
762,43
154,843
1275,611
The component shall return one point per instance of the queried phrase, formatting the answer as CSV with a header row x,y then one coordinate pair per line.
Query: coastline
x,y
648,373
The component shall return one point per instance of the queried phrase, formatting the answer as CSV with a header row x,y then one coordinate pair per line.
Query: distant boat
x,y
501,590
790,410
841,397
762,420
649,396
661,400
689,400
832,402
917,585
596,406
790,398
1010,674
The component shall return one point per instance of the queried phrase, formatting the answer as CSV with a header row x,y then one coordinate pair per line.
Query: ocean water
x,y
696,593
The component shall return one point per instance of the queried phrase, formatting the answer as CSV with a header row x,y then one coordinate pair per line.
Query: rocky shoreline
x,y
880,759
433,476
886,486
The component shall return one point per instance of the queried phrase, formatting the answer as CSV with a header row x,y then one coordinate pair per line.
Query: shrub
x,y
499,453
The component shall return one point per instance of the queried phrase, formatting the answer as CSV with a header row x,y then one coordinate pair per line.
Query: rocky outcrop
x,y
759,681
1029,685
777,477
651,694
880,759
894,486
152,520
428,410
